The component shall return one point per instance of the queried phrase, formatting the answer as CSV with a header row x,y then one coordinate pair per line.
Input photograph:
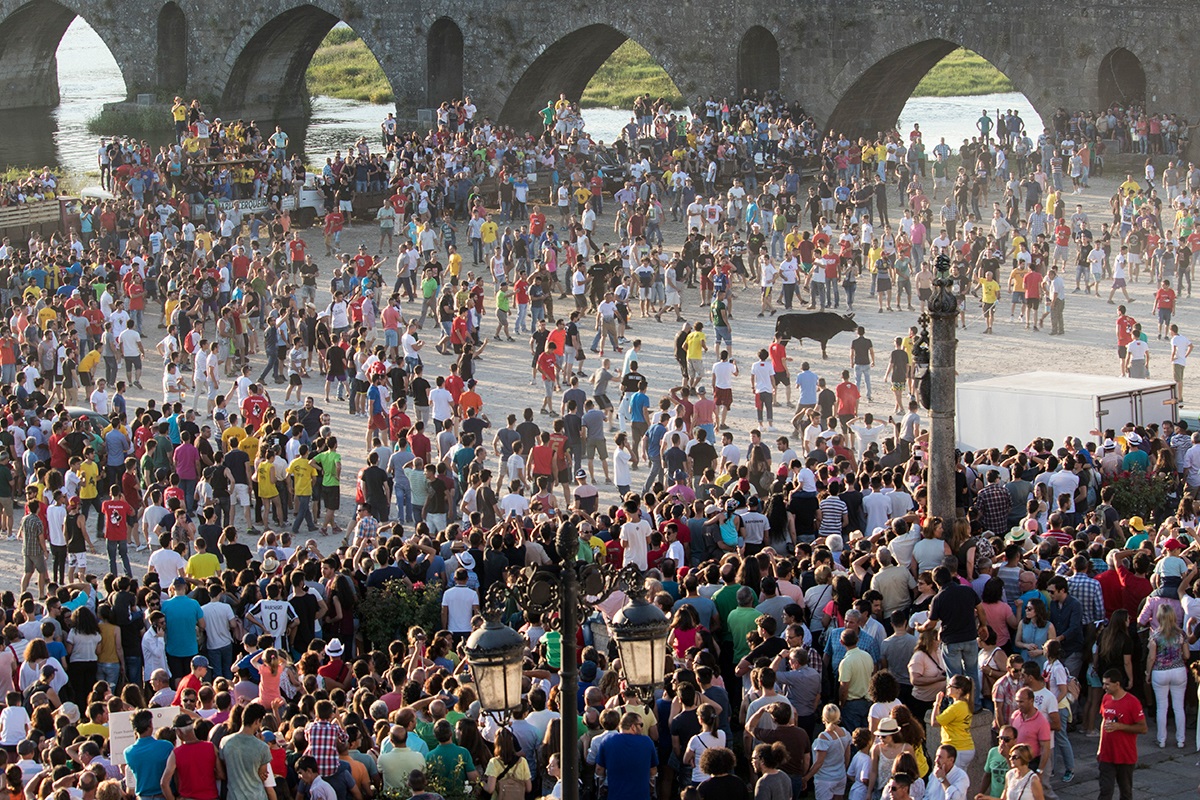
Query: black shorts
x,y
602,402
782,379
1033,302
331,497
564,477
294,380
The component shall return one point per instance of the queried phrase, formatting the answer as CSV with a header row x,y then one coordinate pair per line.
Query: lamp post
x,y
495,652
943,344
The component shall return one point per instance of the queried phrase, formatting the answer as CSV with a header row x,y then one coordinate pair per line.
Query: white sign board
x,y
121,733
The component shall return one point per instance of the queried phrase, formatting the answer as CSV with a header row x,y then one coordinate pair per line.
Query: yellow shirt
x,y
169,307
231,432
1016,279
955,722
695,344
991,290
204,240
487,232
89,472
302,472
455,264
1130,187
89,361
91,729
249,446
203,566
266,480
582,195
179,112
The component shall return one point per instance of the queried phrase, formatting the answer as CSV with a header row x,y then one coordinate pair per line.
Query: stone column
x,y
943,311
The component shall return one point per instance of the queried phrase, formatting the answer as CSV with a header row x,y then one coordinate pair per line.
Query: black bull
x,y
818,325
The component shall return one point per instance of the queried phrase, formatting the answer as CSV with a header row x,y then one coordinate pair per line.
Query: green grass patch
x,y
628,73
963,72
130,121
344,67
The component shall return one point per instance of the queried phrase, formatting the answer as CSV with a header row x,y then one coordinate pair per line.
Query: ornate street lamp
x,y
496,654
641,630
562,598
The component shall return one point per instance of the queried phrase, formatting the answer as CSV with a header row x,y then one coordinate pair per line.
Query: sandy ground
x,y
1087,347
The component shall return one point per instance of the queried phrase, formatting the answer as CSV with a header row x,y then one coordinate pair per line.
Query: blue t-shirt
x,y
182,614
654,437
637,406
376,398
147,758
627,759
806,382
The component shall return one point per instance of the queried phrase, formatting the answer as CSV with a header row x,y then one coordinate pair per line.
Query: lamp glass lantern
x,y
641,630
496,654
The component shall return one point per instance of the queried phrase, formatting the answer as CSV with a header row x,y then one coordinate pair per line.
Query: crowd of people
x,y
822,619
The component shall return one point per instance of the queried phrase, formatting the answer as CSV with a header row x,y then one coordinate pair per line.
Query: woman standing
x,y
1166,671
927,673
831,756
1034,631
82,643
955,719
932,548
507,775
773,783
1114,649
884,753
709,737
998,614
1020,783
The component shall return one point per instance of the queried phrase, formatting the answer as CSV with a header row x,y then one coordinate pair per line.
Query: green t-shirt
x,y
996,767
547,115
243,755
449,762
741,622
328,462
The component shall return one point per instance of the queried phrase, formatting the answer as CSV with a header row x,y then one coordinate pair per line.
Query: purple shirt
x,y
187,462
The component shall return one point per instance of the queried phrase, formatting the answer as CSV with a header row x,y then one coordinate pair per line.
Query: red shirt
x,y
546,365
1119,747
116,519
778,353
362,263
1033,285
537,224
58,454
253,408
1164,299
420,445
136,292
455,386
296,249
541,456
241,266
847,398
1062,235
1125,325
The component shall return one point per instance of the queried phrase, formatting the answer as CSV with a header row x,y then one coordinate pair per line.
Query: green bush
x,y
125,121
389,612
1135,495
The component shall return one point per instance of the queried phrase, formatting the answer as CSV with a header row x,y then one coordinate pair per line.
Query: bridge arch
x,y
874,100
758,61
267,77
564,67
171,61
29,40
444,60
1122,79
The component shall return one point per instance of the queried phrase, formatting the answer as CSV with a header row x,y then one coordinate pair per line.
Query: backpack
x,y
509,788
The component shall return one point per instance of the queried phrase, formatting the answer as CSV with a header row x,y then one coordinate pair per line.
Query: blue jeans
x,y
110,673
403,506
854,713
220,661
272,363
189,490
862,374
303,512
133,669
1063,751
962,658
114,548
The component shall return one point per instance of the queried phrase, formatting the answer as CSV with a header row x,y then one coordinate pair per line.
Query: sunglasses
x,y
1006,738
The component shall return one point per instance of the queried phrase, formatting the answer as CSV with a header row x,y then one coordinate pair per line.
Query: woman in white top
x,y
37,657
708,738
1020,783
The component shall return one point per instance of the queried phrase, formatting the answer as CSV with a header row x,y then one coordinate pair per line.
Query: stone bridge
x,y
852,64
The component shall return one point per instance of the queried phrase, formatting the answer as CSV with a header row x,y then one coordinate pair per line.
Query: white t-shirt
x,y
764,376
514,502
461,603
1138,350
722,373
442,403
636,537
1180,344
274,616
168,564
100,401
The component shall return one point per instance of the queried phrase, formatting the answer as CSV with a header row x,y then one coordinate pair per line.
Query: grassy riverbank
x,y
629,73
963,72
344,67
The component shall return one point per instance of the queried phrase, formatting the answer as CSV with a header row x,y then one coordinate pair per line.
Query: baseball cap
x,y
1137,523
199,661
1172,544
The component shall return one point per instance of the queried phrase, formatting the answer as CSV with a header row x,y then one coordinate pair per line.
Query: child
x,y
859,770
14,724
1169,571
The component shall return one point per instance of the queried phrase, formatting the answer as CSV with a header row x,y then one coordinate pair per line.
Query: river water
x,y
88,78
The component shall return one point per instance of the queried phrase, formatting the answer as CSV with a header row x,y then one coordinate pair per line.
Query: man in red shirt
x,y
332,230
362,262
541,462
194,680
548,368
1033,298
847,400
116,528
296,251
1164,304
779,359
1125,325
1124,720
253,408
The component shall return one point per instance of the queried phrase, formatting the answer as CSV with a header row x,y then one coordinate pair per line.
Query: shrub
x,y
1136,495
390,610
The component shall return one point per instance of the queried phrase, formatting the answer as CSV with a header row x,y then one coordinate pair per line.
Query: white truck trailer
x,y
1015,409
